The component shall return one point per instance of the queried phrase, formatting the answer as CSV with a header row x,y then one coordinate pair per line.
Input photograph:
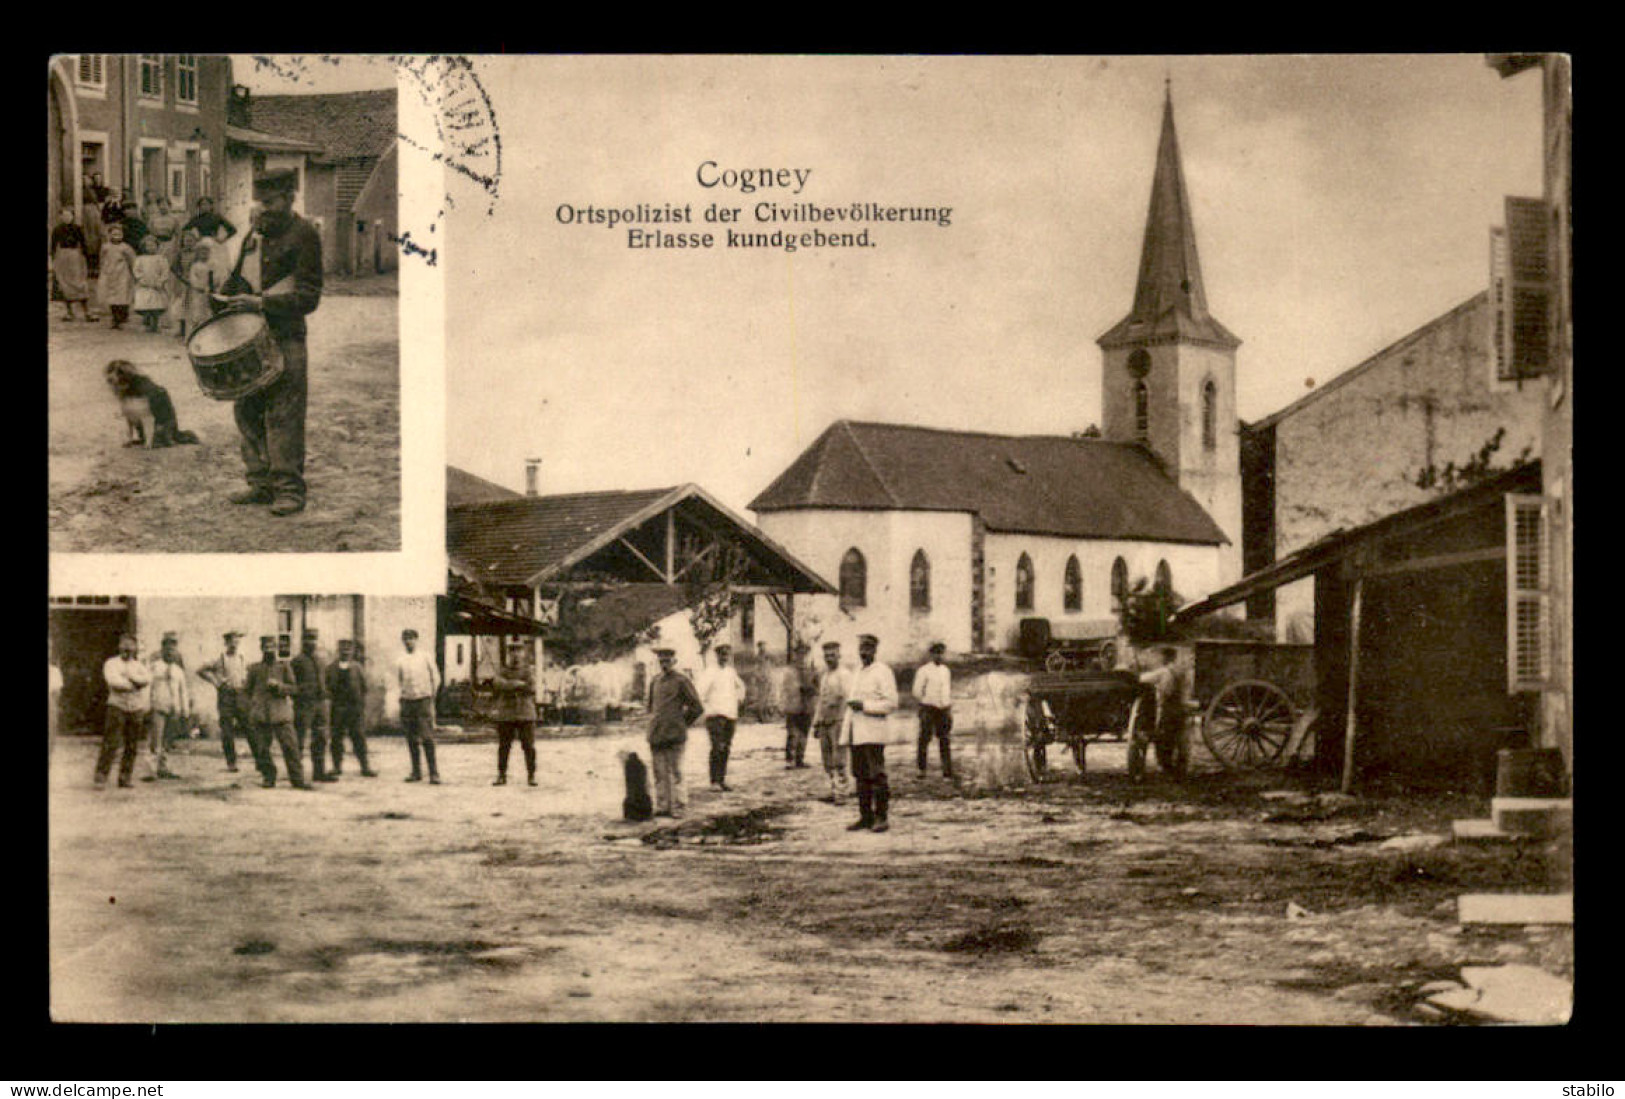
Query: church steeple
x,y
1169,298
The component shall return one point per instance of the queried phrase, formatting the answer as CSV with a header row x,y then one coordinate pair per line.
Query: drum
x,y
234,355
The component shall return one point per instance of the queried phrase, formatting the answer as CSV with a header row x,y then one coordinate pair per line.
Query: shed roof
x,y
532,539
342,124
1034,484
269,143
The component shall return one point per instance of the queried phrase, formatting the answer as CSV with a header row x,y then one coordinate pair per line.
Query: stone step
x,y
1532,816
1516,908
1480,831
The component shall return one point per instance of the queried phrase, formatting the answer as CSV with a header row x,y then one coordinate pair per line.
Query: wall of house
x,y
201,621
888,540
383,618
1195,571
1352,452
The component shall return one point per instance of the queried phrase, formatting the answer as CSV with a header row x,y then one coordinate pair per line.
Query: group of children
x,y
156,285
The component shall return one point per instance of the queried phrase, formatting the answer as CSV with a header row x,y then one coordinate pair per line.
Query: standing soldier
x,y
800,697
128,700
674,705
310,706
270,707
171,703
874,695
721,692
347,698
933,691
418,679
834,685
515,713
228,675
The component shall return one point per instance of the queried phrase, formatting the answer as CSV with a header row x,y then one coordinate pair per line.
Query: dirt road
x,y
376,900
106,498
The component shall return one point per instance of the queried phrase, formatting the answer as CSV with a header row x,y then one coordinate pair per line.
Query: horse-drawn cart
x,y
1074,708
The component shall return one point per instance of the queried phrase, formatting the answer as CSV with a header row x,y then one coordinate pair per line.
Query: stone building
x,y
138,122
958,536
1377,439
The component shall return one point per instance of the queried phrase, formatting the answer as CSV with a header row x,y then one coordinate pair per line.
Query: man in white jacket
x,y
873,697
721,692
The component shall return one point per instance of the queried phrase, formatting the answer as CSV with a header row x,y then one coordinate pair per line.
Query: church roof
x,y
1170,302
1034,484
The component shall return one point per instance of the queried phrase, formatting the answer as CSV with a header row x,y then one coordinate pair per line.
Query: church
x,y
957,536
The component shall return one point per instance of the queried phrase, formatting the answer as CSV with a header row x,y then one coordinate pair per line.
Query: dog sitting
x,y
148,412
637,805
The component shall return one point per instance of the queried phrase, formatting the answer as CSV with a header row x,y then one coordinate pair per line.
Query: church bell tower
x,y
1169,378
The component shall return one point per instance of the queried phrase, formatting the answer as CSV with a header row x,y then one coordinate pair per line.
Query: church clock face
x,y
1139,363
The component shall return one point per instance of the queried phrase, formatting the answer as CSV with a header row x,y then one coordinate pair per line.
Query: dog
x,y
637,804
148,412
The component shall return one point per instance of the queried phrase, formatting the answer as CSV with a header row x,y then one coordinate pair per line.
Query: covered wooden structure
x,y
528,554
1423,622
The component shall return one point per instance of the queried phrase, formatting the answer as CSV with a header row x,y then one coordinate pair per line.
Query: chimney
x,y
533,468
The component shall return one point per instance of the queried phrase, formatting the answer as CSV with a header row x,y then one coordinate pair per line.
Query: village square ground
x,y
374,900
108,498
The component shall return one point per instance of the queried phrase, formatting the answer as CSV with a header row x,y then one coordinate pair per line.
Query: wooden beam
x,y
698,557
1439,561
639,555
789,625
1354,675
778,608
671,544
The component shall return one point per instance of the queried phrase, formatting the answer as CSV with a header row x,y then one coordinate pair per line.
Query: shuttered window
x,y
1528,593
92,72
152,76
1523,292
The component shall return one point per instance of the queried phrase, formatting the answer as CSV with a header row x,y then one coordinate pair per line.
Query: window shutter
x,y
1528,592
1524,331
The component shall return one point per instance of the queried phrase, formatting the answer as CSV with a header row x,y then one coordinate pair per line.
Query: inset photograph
x,y
224,352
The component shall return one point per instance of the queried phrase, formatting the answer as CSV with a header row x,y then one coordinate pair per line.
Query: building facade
x,y
1382,436
138,123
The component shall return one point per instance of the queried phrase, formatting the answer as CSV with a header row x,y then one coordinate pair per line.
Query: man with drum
x,y
272,420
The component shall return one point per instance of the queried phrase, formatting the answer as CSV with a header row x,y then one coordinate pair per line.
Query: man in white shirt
x,y
171,702
128,700
933,692
419,679
228,675
873,697
834,687
721,692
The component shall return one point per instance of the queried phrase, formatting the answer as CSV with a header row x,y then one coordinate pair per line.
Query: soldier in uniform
x,y
272,420
419,679
799,698
874,695
228,675
270,707
310,706
171,705
347,699
834,685
515,713
674,705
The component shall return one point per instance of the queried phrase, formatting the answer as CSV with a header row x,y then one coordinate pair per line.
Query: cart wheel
x,y
1247,724
1136,746
1106,656
1035,738
1056,661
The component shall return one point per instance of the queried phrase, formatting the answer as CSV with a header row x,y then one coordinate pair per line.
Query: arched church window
x,y
1210,414
1119,583
1072,586
919,582
1024,583
1142,410
854,579
1165,578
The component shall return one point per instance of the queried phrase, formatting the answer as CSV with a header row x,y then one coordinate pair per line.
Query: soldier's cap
x,y
171,635
868,639
723,649
665,652
832,646
283,181
409,633
233,633
938,647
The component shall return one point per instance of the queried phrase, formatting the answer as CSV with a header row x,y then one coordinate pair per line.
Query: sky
x,y
1339,203
307,74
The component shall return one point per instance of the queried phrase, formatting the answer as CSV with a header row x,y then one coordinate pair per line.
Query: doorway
x,y
83,636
